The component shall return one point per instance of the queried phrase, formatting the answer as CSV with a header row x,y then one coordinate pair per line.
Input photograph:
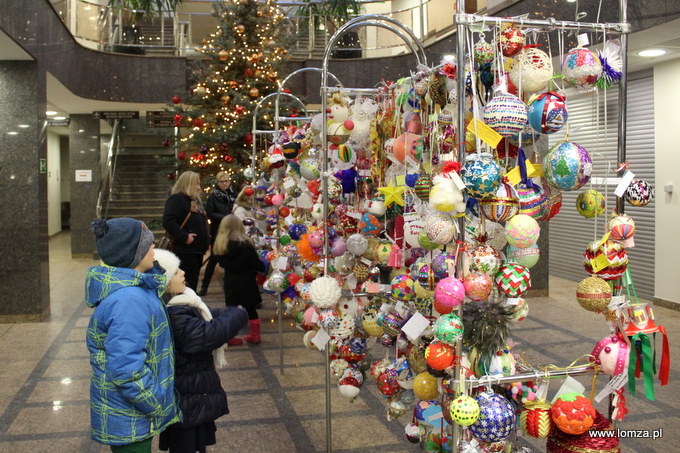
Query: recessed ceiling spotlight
x,y
59,117
23,126
652,53
50,112
12,133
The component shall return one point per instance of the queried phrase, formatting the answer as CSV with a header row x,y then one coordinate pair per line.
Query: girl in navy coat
x,y
200,334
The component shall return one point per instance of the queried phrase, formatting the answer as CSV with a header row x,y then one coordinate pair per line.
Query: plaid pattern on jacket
x,y
132,393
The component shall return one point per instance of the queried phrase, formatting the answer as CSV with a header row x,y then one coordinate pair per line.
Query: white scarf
x,y
190,298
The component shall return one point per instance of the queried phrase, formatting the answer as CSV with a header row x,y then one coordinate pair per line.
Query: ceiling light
x,y
59,117
652,53
50,112
12,133
24,125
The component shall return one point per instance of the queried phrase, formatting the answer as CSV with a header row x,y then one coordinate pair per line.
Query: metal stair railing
x,y
107,172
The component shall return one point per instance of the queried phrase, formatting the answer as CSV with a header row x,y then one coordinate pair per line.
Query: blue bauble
x,y
296,230
481,175
496,418
411,179
548,113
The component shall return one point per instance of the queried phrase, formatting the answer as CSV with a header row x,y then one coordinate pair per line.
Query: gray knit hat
x,y
122,242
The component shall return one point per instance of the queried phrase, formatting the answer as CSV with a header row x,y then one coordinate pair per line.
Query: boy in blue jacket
x,y
132,394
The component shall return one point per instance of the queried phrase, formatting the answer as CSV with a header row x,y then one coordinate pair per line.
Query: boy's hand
x,y
190,238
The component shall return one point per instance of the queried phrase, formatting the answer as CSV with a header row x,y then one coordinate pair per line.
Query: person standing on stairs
x,y
187,225
236,254
220,203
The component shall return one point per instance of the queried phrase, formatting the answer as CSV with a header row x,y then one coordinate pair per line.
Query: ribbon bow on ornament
x,y
448,70
623,166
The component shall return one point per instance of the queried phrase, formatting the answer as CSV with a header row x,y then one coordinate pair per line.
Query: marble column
x,y
84,161
24,267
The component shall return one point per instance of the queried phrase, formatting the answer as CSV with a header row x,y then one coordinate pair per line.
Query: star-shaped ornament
x,y
392,194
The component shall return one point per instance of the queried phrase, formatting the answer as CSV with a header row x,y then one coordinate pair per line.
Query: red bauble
x,y
181,155
511,41
286,90
249,191
238,109
284,211
293,112
200,156
166,142
178,120
171,176
176,100
198,122
194,156
248,72
248,139
268,199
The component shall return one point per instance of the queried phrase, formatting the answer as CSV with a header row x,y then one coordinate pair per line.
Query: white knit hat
x,y
167,261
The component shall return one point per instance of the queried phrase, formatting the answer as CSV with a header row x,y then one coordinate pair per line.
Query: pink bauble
x,y
449,292
477,286
611,355
316,238
338,247
277,200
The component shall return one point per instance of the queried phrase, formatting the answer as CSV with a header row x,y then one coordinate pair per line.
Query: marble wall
x,y
84,155
24,267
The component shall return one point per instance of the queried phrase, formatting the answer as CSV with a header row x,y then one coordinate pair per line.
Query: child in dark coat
x,y
200,334
236,254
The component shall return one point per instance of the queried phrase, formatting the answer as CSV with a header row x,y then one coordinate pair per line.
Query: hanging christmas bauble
x,y
387,382
439,355
414,433
401,287
176,100
223,54
567,166
481,175
513,279
439,228
423,186
425,386
181,155
485,259
621,227
240,29
573,413
440,264
506,114
448,294
611,254
464,410
477,285
547,112
639,193
594,294
501,206
496,418
170,176
197,123
369,224
518,311
531,70
511,41
590,203
581,68
533,201
483,51
527,257
536,420
448,328
310,169
254,92
238,109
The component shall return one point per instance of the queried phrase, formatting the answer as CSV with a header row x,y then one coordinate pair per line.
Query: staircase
x,y
157,40
140,187
300,50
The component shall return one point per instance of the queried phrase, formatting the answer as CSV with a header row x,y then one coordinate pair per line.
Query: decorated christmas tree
x,y
243,62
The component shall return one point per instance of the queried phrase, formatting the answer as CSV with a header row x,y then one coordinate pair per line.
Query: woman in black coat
x,y
237,255
190,242
199,334
220,203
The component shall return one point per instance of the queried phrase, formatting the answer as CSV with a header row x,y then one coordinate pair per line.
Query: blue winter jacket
x,y
132,393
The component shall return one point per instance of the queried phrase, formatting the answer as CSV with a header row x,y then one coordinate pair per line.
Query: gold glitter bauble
x,y
594,294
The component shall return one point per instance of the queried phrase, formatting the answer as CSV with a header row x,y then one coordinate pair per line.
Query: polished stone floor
x,y
44,379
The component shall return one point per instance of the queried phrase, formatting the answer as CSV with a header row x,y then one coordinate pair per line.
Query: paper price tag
x,y
315,318
512,301
485,133
373,288
604,239
415,326
583,40
401,180
321,339
352,281
514,176
411,162
366,261
616,302
613,385
411,216
385,308
455,177
399,306
625,182
354,214
282,263
289,183
534,170
598,263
